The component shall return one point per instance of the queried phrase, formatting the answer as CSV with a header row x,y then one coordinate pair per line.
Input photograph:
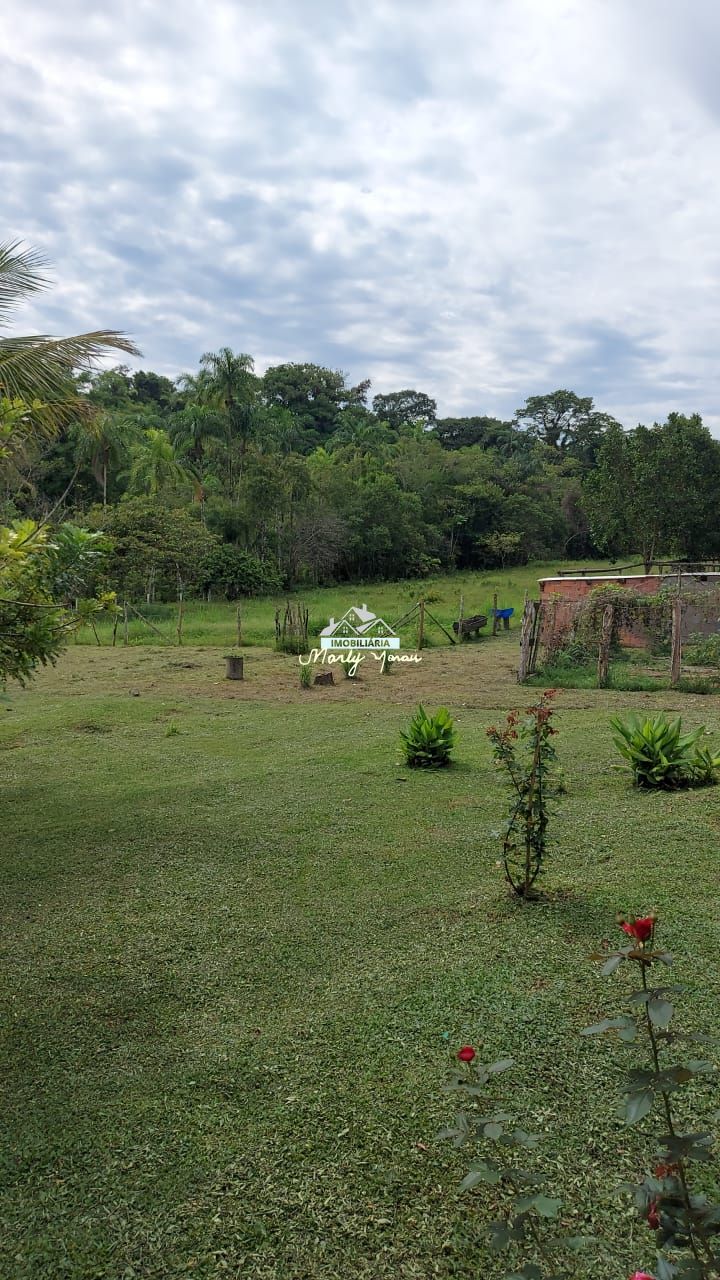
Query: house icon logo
x,y
358,629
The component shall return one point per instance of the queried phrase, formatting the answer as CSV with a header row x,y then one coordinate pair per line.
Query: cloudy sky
x,y
483,199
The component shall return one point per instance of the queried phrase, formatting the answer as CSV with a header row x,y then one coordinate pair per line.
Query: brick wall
x,y
566,591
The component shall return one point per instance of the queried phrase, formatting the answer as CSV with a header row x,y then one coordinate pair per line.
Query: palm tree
x,y
227,381
192,429
104,439
155,465
38,367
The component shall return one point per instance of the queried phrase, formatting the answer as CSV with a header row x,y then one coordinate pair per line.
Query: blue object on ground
x,y
502,613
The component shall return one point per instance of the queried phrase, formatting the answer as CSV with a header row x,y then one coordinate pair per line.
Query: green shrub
x,y
306,676
702,651
232,572
429,739
661,756
574,655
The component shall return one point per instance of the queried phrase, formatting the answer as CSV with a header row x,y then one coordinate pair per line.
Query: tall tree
x,y
227,382
315,396
399,408
565,422
489,433
104,440
193,429
155,465
153,389
654,491
155,550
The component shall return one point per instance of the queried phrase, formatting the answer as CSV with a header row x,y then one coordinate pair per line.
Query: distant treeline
x,y
230,483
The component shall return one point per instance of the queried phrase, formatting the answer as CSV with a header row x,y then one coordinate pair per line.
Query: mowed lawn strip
x,y
237,960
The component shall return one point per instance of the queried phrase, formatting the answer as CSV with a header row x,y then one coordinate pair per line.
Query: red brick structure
x,y
563,594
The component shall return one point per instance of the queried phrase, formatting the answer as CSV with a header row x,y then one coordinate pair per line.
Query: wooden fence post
x,y
125,620
603,666
676,643
526,636
461,615
239,627
421,625
495,620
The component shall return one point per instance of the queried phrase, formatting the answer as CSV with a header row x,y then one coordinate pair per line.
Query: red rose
x,y
641,1275
653,1217
639,929
665,1170
467,1053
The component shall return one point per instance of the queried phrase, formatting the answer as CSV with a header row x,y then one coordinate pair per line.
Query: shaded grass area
x,y
236,961
627,675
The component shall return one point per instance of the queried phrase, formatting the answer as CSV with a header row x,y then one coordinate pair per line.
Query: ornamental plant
x,y
661,756
523,749
504,1151
685,1222
429,739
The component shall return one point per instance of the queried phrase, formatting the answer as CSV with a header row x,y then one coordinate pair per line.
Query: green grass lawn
x,y
237,961
216,623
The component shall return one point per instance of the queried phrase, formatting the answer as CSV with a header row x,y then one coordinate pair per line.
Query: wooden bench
x,y
470,626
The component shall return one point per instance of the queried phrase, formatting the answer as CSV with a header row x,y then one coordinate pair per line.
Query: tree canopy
x,y
227,479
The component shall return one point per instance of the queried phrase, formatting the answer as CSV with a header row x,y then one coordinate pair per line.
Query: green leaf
x,y
611,965
480,1173
500,1236
637,1106
542,1205
664,1269
624,1024
547,1207
701,1067
493,1130
687,1146
503,1064
660,1012
578,1243
523,1139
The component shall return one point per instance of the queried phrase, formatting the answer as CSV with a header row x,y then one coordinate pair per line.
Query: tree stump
x,y
324,677
233,667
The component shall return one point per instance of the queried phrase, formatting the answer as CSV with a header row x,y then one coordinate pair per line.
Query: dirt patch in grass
x,y
464,676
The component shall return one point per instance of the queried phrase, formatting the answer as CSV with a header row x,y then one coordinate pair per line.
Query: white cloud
x,y
484,201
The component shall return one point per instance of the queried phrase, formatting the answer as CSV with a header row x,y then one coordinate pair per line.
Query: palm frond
x,y
37,366
21,273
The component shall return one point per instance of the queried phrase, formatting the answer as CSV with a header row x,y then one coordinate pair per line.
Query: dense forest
x,y
228,482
